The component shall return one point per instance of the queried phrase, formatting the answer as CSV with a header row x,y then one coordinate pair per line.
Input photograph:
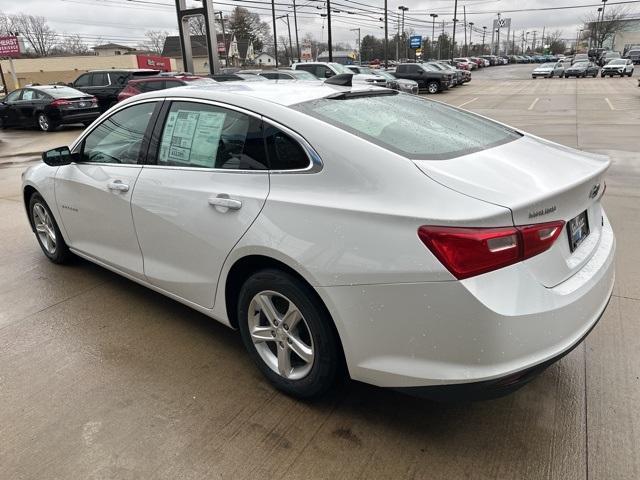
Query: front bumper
x,y
483,329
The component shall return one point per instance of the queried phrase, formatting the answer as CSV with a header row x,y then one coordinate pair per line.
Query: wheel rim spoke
x,y
269,310
292,317
262,334
44,228
302,350
284,361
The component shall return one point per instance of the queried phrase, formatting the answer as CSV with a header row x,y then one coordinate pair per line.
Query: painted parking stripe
x,y
609,103
467,102
533,104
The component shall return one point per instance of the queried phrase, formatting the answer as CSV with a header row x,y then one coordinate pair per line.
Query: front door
x,y
9,113
208,185
94,194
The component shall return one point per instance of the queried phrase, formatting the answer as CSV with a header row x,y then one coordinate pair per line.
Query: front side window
x,y
410,126
13,96
83,80
119,138
207,136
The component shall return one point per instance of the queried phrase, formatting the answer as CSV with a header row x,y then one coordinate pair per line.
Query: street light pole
x,y
404,37
224,40
295,24
386,37
329,30
433,33
484,33
597,26
359,45
455,20
275,35
471,24
604,4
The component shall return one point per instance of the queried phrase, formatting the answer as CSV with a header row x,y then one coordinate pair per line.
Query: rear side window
x,y
284,152
173,83
410,126
99,79
207,136
150,86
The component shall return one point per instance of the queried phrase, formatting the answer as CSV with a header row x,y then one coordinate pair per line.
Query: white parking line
x,y
533,104
467,102
609,103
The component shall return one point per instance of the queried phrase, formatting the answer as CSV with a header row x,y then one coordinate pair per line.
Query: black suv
x,y
427,76
105,85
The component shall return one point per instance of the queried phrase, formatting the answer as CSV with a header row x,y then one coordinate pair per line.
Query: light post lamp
x,y
471,24
604,4
433,31
484,34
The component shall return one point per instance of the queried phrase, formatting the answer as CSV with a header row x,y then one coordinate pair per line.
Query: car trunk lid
x,y
539,182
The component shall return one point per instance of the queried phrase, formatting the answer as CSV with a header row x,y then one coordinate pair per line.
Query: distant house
x,y
200,51
111,49
265,60
345,57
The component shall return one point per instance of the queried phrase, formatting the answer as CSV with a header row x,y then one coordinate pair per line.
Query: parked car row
x,y
584,68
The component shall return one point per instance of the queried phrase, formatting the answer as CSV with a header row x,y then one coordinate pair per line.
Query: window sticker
x,y
191,138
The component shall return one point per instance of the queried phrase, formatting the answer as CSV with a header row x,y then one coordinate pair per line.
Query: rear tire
x,y
45,123
288,333
47,231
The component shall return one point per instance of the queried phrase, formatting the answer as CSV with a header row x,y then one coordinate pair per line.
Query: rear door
x,y
207,186
9,113
94,194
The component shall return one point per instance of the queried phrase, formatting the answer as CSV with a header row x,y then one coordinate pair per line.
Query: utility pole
x,y
542,41
359,45
386,37
290,56
441,42
471,24
455,20
433,33
224,40
604,4
275,35
533,43
464,17
513,44
398,41
597,26
295,24
484,33
329,30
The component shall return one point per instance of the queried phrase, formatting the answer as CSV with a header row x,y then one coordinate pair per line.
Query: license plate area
x,y
577,230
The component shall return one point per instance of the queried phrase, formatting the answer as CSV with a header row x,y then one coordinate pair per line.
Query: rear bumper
x,y
68,118
495,330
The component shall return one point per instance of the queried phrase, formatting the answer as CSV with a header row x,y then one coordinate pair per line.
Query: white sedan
x,y
420,246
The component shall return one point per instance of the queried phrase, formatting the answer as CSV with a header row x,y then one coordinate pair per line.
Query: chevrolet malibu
x,y
341,229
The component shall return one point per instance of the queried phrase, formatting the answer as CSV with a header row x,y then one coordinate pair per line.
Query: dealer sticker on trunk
x,y
578,230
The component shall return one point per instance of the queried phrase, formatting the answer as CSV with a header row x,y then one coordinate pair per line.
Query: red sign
x,y
9,47
154,62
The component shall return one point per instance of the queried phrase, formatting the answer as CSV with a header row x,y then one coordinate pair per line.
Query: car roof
x,y
246,94
127,70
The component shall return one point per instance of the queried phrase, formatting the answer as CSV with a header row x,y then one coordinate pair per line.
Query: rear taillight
x,y
467,252
60,102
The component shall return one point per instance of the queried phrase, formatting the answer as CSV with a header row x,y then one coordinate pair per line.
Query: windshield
x,y
302,75
547,65
617,62
430,68
581,63
436,66
62,92
201,81
340,68
410,126
386,75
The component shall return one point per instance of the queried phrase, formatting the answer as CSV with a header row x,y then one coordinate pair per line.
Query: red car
x,y
149,84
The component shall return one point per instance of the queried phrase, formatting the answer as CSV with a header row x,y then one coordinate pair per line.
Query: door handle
x,y
118,186
225,202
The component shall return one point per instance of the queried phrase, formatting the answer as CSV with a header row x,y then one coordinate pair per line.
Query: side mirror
x,y
57,156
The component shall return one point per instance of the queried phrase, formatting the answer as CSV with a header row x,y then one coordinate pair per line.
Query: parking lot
x,y
102,378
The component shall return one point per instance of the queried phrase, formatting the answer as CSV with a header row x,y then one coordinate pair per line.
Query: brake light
x,y
467,252
59,102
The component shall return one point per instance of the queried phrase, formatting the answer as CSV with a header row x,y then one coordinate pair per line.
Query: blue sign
x,y
415,41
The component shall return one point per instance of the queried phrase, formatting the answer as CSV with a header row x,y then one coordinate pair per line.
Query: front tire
x,y
288,333
45,123
432,87
47,231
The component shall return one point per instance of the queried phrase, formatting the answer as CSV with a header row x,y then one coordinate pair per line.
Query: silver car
x,y
549,70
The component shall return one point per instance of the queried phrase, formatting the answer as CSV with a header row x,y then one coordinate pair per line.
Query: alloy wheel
x,y
433,88
43,122
281,335
44,228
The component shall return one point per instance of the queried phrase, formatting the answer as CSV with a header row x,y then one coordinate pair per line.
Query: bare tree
x,y
155,40
607,28
71,45
197,25
34,29
6,24
556,43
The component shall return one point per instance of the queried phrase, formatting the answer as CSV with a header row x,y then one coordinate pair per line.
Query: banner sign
x,y
154,62
415,41
9,47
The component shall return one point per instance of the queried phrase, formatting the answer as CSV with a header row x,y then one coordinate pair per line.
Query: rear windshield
x,y
62,92
411,126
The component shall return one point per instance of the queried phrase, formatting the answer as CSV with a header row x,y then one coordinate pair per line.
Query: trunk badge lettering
x,y
542,211
594,191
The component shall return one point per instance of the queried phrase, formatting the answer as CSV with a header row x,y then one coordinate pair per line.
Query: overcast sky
x,y
123,21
